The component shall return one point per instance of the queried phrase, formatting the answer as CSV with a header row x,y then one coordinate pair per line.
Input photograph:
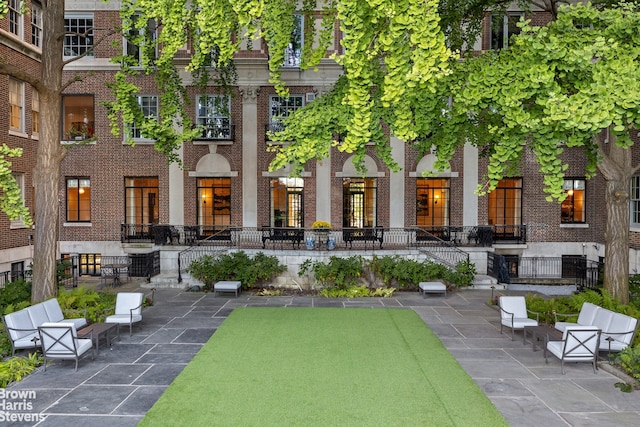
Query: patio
x,y
121,384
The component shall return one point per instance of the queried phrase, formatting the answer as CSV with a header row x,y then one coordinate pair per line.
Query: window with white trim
x,y
78,39
149,106
293,52
573,206
16,105
36,25
78,199
635,201
281,108
503,27
139,39
16,22
35,112
213,113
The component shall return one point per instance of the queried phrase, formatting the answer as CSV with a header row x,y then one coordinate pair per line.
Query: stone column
x,y
396,185
249,155
470,183
176,192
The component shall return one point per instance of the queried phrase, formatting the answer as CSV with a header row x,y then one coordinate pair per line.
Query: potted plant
x,y
321,225
321,229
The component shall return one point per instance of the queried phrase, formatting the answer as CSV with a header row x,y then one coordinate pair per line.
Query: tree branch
x,y
96,43
18,73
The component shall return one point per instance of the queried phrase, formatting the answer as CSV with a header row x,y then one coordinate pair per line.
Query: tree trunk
x,y
46,176
616,169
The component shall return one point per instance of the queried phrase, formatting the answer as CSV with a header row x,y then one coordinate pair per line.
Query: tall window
x,y
78,39
141,200
16,105
15,18
89,264
78,199
293,52
635,201
502,28
79,119
149,106
359,202
573,206
35,111
281,108
214,203
505,203
142,39
17,270
287,202
432,202
214,116
36,25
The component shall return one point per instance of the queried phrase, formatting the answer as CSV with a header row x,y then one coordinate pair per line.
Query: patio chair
x,y
514,314
578,344
128,310
60,341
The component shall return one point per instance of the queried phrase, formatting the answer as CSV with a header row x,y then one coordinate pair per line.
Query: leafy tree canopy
x,y
11,201
556,86
394,54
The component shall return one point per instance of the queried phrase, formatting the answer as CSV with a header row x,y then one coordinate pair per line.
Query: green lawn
x,y
325,367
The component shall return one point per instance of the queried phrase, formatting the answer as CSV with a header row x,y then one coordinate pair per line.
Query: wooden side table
x,y
100,330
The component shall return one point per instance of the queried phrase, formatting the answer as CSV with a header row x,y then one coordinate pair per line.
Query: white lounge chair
x,y
514,313
128,310
60,341
579,344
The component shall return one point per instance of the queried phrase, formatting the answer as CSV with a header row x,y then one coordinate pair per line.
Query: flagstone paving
x,y
119,386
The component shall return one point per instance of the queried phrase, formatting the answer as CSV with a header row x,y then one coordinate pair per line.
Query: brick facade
x,y
108,161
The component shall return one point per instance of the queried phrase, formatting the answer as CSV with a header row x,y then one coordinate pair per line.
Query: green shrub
x,y
341,273
16,368
356,292
408,273
236,266
85,302
14,293
634,290
629,360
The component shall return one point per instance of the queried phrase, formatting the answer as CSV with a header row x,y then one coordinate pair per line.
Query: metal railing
x,y
586,274
67,273
188,235
439,243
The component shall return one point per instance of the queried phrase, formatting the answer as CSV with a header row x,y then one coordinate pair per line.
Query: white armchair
x,y
514,313
128,310
579,344
60,341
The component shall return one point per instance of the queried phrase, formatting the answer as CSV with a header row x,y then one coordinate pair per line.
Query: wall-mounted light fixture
x,y
436,199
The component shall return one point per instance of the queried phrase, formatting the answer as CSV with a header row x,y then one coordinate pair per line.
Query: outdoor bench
x,y
367,234
22,326
618,330
277,234
432,287
227,286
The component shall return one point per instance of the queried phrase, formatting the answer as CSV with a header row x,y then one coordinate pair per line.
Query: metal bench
x,y
366,234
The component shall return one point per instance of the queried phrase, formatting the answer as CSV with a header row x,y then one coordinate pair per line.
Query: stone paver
x,y
122,383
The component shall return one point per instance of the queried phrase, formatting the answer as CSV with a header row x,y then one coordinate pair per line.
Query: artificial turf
x,y
326,367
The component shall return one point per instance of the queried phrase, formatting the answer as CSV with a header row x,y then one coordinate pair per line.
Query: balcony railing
x,y
218,132
188,235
